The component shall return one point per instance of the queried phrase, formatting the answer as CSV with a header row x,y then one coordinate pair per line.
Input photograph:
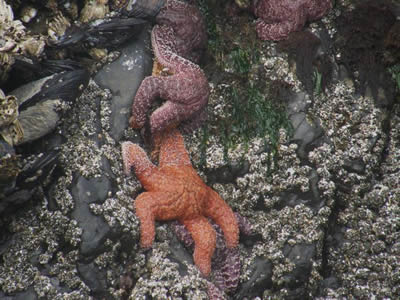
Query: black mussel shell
x,y
36,170
107,33
23,185
147,9
66,86
40,101
26,70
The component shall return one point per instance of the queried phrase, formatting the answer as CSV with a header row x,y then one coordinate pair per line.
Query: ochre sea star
x,y
278,18
176,192
177,39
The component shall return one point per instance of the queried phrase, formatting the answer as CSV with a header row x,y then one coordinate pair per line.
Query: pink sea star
x,y
188,26
177,41
278,18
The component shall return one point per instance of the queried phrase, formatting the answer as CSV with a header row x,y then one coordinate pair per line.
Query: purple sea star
x,y
225,261
177,41
188,26
278,18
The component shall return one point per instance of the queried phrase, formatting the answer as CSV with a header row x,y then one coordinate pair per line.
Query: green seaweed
x,y
317,82
395,71
241,60
235,58
249,115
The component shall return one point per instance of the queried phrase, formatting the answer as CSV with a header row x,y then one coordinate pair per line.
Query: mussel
x,y
30,112
147,9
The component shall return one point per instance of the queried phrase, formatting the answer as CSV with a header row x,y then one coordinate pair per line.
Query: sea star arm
x,y
204,242
173,151
277,31
143,204
149,90
317,9
134,156
151,206
218,210
166,115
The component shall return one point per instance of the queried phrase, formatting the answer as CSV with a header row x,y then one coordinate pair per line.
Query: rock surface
x,y
324,211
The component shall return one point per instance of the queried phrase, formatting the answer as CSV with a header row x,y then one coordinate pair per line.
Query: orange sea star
x,y
174,191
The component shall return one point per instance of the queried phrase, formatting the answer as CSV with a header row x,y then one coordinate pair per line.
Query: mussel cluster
x,y
48,48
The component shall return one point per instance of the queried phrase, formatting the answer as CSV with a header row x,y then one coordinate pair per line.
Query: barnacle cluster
x,y
15,40
10,128
10,132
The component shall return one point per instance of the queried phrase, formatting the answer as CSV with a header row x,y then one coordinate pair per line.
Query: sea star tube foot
x,y
176,192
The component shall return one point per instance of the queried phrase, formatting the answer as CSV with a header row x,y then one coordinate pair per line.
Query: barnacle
x,y
15,40
10,128
28,13
10,131
94,9
8,109
57,26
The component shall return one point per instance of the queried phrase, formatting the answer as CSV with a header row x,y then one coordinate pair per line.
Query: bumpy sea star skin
x,y
225,261
176,41
176,192
188,26
278,18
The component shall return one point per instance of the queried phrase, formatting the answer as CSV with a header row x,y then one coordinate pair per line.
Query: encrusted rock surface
x,y
324,205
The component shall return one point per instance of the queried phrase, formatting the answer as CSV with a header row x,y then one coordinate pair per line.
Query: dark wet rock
x,y
228,174
123,77
301,255
95,278
310,198
95,229
355,165
330,283
180,254
306,135
260,280
13,201
26,295
304,48
361,39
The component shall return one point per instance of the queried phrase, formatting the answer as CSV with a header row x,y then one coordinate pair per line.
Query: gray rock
x,y
95,278
123,78
95,229
260,279
305,133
